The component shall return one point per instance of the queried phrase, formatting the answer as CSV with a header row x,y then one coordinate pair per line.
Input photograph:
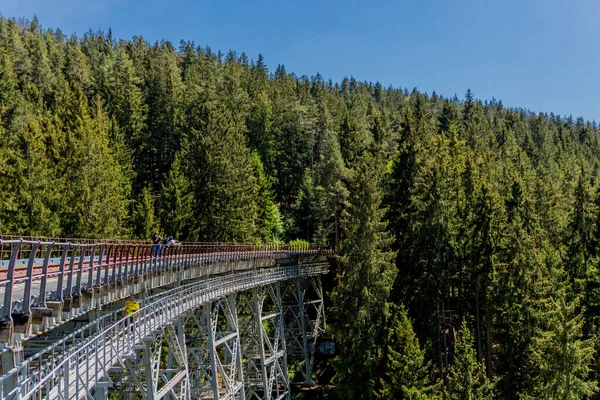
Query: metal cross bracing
x,y
305,318
45,283
85,371
214,351
263,343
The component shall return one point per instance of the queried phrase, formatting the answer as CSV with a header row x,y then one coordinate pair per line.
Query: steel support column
x,y
263,344
305,322
145,373
214,351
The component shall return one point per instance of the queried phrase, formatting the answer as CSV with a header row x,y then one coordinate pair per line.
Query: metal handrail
x,y
97,325
79,267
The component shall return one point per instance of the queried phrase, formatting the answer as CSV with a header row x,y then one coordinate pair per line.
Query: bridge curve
x,y
221,314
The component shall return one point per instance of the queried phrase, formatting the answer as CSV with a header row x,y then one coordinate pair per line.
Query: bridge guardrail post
x,y
90,275
76,295
98,283
107,281
22,320
40,311
6,324
127,249
68,297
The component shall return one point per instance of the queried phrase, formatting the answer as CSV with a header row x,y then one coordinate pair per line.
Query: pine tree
x,y
367,277
466,378
175,205
143,223
406,372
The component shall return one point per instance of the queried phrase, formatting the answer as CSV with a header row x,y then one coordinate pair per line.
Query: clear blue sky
x,y
536,54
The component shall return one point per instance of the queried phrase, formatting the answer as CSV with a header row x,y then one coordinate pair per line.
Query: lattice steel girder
x,y
305,321
214,351
263,344
150,375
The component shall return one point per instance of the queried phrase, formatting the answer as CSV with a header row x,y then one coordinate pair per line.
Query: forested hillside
x,y
467,232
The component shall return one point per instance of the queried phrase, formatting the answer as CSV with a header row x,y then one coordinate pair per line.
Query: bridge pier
x,y
214,351
305,322
143,370
263,344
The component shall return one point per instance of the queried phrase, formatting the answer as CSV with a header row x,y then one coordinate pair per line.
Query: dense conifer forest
x,y
466,232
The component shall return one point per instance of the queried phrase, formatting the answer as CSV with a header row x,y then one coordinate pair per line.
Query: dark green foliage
x,y
270,225
175,205
466,378
406,372
560,357
367,277
143,224
226,189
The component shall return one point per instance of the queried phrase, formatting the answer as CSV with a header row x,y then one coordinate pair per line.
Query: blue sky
x,y
536,54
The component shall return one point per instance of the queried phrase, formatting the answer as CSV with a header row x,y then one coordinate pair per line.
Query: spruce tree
x,y
561,358
466,378
580,232
95,203
143,223
333,178
270,224
219,166
161,138
367,277
406,372
175,205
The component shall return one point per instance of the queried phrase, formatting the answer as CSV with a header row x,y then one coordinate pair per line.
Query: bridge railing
x,y
34,273
212,247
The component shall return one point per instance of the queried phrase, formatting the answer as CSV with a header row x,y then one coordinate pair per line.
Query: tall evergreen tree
x,y
95,205
219,166
367,277
403,360
143,223
561,358
466,378
175,205
270,224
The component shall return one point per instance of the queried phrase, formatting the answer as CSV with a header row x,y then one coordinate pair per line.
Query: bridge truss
x,y
216,321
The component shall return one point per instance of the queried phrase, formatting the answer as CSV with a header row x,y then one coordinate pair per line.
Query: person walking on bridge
x,y
131,307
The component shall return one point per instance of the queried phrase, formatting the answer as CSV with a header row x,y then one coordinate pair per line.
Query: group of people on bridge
x,y
159,243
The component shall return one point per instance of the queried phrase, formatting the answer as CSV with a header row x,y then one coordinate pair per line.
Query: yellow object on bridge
x,y
131,306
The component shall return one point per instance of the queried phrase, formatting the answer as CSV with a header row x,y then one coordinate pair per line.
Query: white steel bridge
x,y
216,321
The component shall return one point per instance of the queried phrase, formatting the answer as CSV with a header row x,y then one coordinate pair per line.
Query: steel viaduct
x,y
216,320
